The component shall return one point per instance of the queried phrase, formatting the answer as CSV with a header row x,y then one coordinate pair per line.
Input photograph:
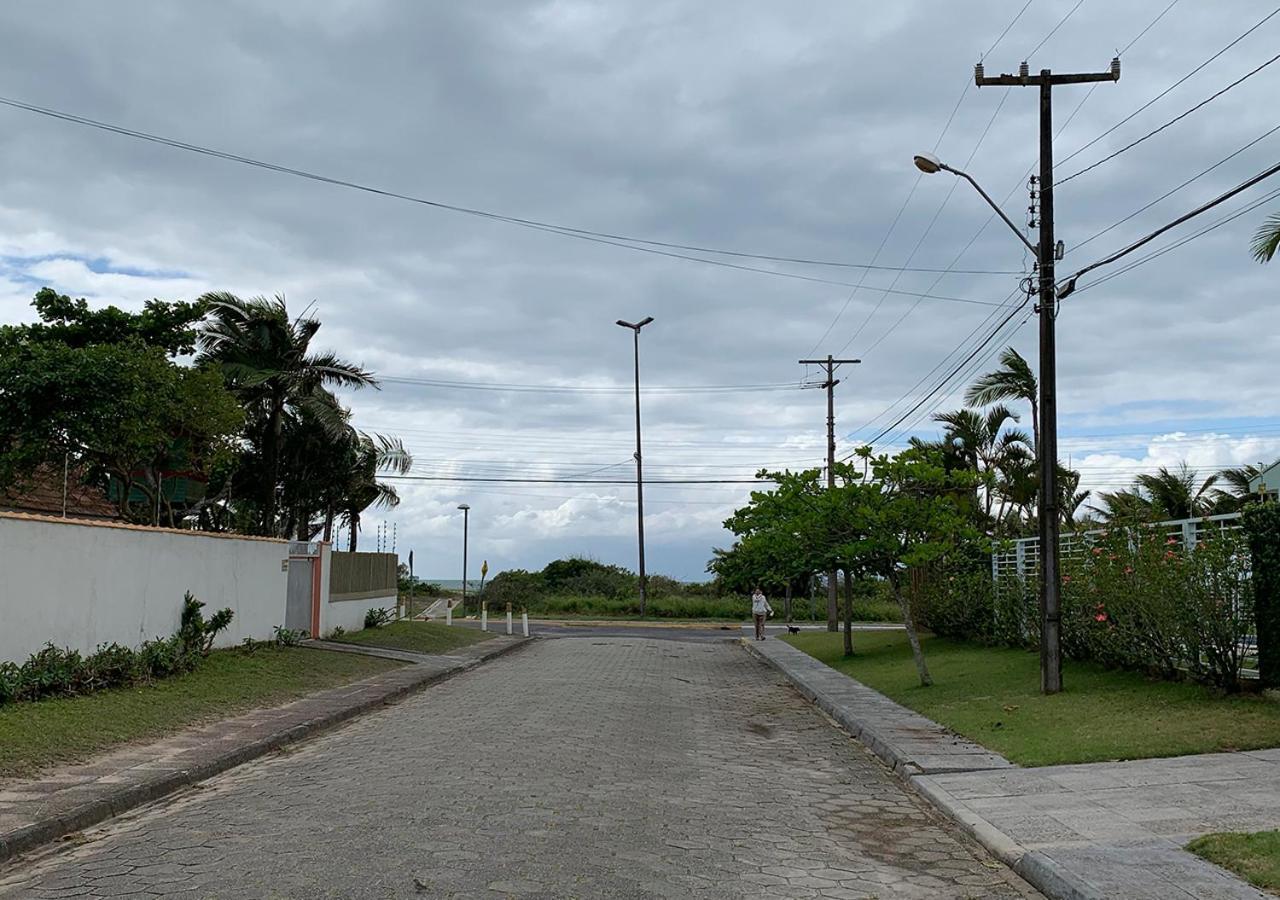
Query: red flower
x,y
1100,617
1128,570
1172,540
1066,579
1169,554
1097,551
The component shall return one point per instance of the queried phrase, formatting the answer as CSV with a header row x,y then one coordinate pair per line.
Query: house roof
x,y
41,494
1268,477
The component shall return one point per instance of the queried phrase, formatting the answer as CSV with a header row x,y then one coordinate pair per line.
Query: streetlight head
x,y
625,324
645,321
927,163
463,506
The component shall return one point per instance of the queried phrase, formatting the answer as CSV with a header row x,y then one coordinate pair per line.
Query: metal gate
x,y
302,599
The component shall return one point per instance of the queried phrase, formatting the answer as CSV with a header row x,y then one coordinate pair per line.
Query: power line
x,y
619,240
588,389
1175,119
893,224
1070,283
1171,87
1170,193
1055,28
465,478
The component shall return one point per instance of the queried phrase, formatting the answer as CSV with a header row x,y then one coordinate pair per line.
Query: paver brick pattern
x,y
578,768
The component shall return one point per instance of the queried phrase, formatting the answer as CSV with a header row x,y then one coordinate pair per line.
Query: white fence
x,y
79,584
1020,558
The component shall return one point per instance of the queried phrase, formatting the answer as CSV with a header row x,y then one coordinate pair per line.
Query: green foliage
x,y
289,637
1262,526
518,587
1136,599
195,633
167,326
376,618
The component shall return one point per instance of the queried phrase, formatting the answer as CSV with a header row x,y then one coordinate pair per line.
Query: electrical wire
x,y
464,478
619,240
1184,184
1171,87
589,389
1178,118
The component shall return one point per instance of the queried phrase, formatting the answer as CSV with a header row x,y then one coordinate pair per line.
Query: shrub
x,y
111,665
10,683
288,637
376,618
163,657
1262,526
197,634
338,631
51,672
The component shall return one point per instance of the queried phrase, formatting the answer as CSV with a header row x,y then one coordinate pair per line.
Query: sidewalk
x,y
70,798
1097,830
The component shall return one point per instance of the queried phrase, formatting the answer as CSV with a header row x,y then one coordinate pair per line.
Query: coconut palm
x,y
1175,494
1014,380
362,489
1127,505
267,360
983,441
1266,240
1236,481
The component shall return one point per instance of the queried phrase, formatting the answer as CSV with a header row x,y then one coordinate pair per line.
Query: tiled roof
x,y
42,494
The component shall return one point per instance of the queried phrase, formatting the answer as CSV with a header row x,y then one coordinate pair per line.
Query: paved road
x,y
612,767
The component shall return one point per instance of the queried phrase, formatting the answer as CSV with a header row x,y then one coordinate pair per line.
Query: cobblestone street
x,y
619,767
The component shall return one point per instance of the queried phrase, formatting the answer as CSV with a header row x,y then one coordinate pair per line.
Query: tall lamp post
x,y
1047,449
466,514
635,330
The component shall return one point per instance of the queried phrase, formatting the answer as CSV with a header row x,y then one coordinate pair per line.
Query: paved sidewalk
x,y
68,799
1100,830
609,768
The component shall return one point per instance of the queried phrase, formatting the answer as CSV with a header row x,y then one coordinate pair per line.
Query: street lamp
x,y
635,329
1047,446
466,513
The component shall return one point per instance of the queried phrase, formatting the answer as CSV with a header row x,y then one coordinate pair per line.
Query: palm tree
x,y
982,441
267,360
1266,240
372,454
1238,489
1014,380
1127,505
1176,495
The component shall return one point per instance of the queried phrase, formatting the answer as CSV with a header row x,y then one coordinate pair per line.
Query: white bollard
x,y
524,623
509,622
448,612
484,617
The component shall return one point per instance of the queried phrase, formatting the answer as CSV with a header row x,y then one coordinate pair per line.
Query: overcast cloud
x,y
784,129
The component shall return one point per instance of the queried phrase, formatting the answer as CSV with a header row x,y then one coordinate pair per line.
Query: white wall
x,y
350,613
80,584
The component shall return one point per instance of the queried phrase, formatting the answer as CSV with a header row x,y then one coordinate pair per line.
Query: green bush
x,y
376,618
196,634
1135,599
1262,527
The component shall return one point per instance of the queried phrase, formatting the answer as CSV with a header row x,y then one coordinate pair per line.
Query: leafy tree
x,y
168,326
1238,491
1176,494
1014,380
268,362
985,443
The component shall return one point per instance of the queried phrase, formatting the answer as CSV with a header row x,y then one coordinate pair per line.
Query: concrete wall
x,y
79,584
353,584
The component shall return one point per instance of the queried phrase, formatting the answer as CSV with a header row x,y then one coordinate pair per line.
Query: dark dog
x,y
794,629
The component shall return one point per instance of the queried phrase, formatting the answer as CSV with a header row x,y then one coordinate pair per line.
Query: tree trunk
x,y
916,653
848,613
271,460
353,526
833,601
786,602
328,525
1035,425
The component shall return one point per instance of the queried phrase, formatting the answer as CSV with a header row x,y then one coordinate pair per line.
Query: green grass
x,y
420,637
46,732
992,695
1255,857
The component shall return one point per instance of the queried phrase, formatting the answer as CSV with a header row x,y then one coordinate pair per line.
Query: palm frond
x,y
1266,240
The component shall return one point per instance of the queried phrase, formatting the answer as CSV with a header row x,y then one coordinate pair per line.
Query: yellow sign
x,y
484,568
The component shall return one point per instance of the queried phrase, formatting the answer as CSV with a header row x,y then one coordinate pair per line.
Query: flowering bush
x,y
1136,599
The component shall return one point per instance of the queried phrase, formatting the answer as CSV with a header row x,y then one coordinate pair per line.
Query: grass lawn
x,y
992,695
420,637
39,734
1255,857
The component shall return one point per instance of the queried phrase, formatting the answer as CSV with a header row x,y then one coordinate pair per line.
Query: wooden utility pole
x,y
829,367
1047,452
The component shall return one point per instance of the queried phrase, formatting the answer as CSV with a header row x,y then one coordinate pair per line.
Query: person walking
x,y
760,610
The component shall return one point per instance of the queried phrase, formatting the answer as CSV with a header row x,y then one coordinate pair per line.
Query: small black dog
x,y
794,629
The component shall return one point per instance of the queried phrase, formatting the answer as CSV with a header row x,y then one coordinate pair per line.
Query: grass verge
x,y
419,637
46,732
1254,857
992,695
696,609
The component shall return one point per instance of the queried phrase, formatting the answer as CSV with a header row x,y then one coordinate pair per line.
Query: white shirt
x,y
759,605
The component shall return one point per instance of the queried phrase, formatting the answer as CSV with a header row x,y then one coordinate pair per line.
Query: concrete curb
x,y
1043,873
126,797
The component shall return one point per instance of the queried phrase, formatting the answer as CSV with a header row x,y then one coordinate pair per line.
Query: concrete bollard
x,y
484,617
524,623
448,612
509,631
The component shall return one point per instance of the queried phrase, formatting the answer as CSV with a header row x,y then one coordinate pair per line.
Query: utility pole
x,y
829,367
1047,452
466,523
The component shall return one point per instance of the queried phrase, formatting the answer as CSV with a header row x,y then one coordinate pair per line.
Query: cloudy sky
x,y
781,130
